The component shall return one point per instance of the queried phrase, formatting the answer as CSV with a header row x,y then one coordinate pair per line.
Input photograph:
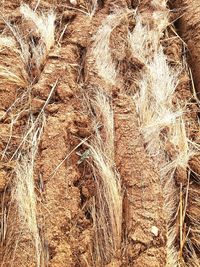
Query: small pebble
x,y
73,2
154,230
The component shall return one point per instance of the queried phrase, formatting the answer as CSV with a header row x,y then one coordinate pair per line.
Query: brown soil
x,y
64,183
189,30
143,211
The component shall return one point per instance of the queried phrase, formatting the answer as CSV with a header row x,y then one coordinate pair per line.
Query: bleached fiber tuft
x,y
161,121
186,148
91,7
154,101
101,48
107,209
6,41
12,69
159,3
45,24
144,40
23,192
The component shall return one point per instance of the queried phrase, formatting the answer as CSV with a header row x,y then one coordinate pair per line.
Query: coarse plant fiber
x,y
44,28
105,65
33,55
10,72
23,191
45,24
161,121
107,207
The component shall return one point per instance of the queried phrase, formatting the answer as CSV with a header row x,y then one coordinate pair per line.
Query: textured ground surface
x,y
64,186
188,28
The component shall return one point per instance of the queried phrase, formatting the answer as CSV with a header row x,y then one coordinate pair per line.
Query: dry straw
x,y
105,65
45,24
161,121
23,191
107,208
12,72
23,56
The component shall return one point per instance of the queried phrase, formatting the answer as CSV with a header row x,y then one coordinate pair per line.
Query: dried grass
x,y
88,8
12,71
161,121
91,7
45,30
45,24
23,191
107,208
33,54
24,197
21,57
106,67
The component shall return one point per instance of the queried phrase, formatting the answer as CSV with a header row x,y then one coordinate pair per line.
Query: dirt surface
x,y
143,212
58,96
189,29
